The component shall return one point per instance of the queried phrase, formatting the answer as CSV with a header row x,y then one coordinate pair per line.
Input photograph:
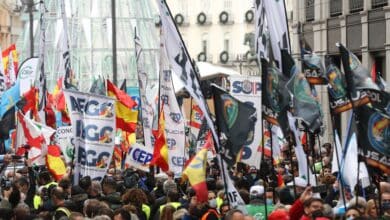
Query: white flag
x,y
180,62
174,123
147,112
336,153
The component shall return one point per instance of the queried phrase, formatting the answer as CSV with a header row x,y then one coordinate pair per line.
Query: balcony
x,y
379,3
355,6
309,5
335,8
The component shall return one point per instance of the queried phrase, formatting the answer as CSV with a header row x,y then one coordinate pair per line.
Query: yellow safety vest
x,y
146,210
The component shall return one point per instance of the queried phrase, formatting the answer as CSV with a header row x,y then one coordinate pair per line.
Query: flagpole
x,y
288,29
114,49
264,177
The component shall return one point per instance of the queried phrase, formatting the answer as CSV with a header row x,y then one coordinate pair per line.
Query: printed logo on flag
x,y
378,133
230,107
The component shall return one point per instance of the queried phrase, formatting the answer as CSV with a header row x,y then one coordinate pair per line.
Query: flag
x,y
196,174
261,32
312,65
374,137
160,152
275,98
98,86
337,152
54,162
40,82
126,118
28,101
276,21
69,77
349,163
9,98
338,98
144,84
10,65
180,62
7,123
235,121
305,105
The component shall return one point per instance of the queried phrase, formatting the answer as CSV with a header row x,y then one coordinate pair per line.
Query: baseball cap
x,y
279,215
256,190
299,181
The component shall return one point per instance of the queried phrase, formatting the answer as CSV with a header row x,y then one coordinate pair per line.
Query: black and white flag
x,y
181,62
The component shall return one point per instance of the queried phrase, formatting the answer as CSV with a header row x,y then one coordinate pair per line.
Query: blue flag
x,y
9,98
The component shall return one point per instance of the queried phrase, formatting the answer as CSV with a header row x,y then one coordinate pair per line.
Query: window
x,y
205,42
226,42
379,3
309,5
227,4
335,8
355,6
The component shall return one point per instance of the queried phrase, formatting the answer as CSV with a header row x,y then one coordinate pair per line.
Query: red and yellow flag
x,y
11,50
196,174
126,118
54,162
160,153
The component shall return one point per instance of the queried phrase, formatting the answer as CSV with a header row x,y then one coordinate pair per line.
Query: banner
x,y
3,86
147,112
174,121
27,73
139,157
248,89
64,138
93,125
374,138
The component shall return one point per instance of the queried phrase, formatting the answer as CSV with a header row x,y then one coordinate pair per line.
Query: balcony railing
x,y
355,6
335,8
309,10
379,3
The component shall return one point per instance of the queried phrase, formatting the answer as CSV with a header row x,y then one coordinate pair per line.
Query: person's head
x,y
173,196
386,203
279,215
23,184
44,177
359,203
285,196
169,185
244,195
300,185
109,186
76,216
224,208
121,214
58,196
234,214
91,207
311,205
167,212
66,185
134,196
352,213
256,192
96,189
212,199
371,210
269,196
85,182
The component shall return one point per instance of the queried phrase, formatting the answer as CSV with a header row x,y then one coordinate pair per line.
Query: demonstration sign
x,y
64,139
139,157
93,125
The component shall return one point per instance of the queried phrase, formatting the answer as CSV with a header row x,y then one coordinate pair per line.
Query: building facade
x,y
219,32
10,25
362,25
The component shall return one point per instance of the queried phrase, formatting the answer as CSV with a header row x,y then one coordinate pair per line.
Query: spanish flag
x,y
196,174
160,153
54,162
10,51
126,118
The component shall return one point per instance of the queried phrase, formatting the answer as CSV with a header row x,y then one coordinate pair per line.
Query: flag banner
x,y
40,81
275,12
93,125
196,174
374,138
338,99
197,121
9,98
305,105
3,86
180,62
233,196
98,86
278,141
139,157
379,101
64,139
160,151
248,89
275,97
10,65
7,123
27,73
337,152
261,32
312,65
236,121
69,77
54,162
349,162
147,112
174,122
357,77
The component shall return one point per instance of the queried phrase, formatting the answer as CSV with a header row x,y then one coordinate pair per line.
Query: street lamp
x,y
30,9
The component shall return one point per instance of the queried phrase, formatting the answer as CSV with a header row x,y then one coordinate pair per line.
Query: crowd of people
x,y
31,193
